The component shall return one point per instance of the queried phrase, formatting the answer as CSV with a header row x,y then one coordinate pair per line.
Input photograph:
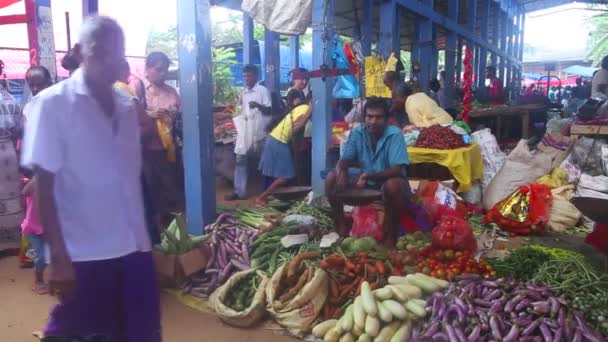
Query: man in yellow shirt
x,y
277,160
421,109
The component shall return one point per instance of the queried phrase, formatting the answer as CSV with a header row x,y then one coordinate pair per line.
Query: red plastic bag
x,y
598,238
438,200
368,221
453,232
525,211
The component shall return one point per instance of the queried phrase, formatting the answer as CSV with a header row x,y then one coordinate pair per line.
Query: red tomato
x,y
458,254
434,274
441,273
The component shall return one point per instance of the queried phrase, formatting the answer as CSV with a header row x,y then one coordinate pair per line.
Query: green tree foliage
x,y
597,42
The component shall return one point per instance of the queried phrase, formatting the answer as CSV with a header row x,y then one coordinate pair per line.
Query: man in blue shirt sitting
x,y
379,150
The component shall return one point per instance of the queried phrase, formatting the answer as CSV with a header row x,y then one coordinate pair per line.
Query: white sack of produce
x,y
282,16
557,146
590,186
564,214
240,289
522,167
300,305
587,155
493,157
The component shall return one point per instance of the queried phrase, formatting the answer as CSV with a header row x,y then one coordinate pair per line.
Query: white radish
x,y
347,337
372,326
403,333
383,313
332,335
322,328
409,290
347,321
396,309
415,308
369,303
383,293
359,313
387,332
364,338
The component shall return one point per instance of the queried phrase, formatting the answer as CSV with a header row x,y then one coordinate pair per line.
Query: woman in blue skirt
x,y
277,162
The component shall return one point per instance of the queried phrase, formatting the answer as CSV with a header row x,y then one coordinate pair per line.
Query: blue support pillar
x,y
495,9
510,44
247,38
389,29
89,7
521,36
434,62
367,27
194,37
272,58
40,35
450,55
483,52
503,46
294,51
321,116
426,46
459,61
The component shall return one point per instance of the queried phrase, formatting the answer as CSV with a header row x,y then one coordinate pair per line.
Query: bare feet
x,y
40,288
261,201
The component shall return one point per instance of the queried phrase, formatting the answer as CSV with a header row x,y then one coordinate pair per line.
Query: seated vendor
x,y
379,150
421,109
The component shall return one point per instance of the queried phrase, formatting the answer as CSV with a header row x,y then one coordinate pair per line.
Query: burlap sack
x,y
250,316
564,214
298,314
557,146
522,167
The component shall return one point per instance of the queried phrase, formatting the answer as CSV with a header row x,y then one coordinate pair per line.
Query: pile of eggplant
x,y
474,309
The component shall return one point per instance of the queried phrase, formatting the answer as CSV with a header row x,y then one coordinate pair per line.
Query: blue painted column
x,y
194,51
367,27
321,116
450,55
503,45
294,51
247,38
483,52
509,66
434,61
495,10
272,59
426,45
90,7
40,35
389,29
459,66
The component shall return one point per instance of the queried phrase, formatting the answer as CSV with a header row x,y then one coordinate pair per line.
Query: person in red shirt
x,y
495,90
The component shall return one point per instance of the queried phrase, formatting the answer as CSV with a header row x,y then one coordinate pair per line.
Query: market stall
x,y
499,114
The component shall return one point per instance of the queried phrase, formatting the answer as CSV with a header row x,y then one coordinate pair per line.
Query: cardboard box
x,y
173,269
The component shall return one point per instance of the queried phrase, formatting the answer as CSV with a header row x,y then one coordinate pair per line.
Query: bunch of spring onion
x,y
263,220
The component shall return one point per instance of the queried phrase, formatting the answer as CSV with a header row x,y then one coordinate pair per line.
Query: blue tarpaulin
x,y
580,70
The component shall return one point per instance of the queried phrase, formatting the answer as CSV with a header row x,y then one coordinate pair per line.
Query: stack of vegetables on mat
x,y
440,138
447,264
241,301
262,219
322,217
228,243
414,241
384,314
565,272
176,240
272,249
474,309
347,275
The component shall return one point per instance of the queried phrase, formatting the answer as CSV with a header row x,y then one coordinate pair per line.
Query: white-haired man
x,y
82,140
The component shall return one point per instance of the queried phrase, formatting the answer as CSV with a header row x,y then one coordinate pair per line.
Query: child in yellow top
x,y
277,161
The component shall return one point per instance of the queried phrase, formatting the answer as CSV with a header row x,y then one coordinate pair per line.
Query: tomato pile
x,y
440,138
447,264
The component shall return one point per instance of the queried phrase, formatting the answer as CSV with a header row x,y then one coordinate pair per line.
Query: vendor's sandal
x,y
41,289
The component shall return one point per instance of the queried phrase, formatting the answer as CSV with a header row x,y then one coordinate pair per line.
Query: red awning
x,y
6,3
17,61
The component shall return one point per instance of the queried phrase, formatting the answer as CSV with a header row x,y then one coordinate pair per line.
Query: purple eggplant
x,y
496,307
440,337
541,308
578,336
468,277
546,333
474,335
558,335
523,304
554,306
432,329
511,304
459,312
492,295
495,329
513,334
459,334
450,331
489,283
530,328
482,302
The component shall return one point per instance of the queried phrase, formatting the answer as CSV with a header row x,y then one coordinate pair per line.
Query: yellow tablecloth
x,y
465,164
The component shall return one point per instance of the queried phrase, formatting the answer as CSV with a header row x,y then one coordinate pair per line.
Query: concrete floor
x,y
22,312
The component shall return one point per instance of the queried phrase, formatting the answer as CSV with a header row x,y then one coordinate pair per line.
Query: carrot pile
x,y
346,277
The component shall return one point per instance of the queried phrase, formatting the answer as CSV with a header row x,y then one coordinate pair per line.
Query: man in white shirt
x,y
251,125
82,141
